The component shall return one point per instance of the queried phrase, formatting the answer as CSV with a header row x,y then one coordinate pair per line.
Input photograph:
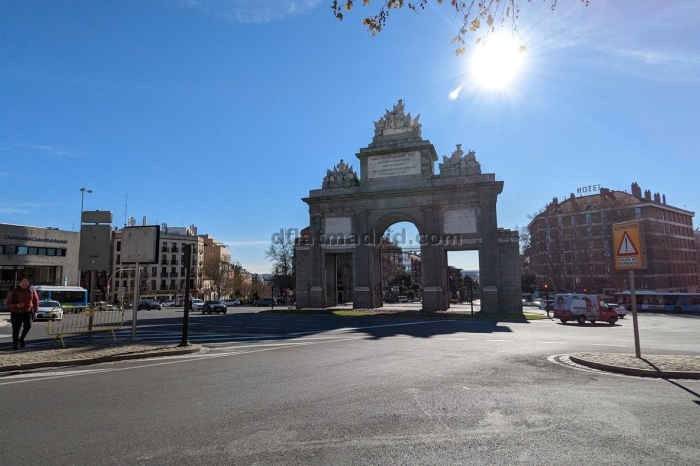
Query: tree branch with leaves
x,y
476,16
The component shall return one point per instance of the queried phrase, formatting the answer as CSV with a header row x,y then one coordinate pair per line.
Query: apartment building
x,y
166,279
217,269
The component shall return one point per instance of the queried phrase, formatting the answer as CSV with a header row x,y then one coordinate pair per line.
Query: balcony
x,y
173,262
173,274
175,249
164,249
163,262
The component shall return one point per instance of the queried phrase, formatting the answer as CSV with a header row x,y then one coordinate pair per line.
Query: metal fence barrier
x,y
92,320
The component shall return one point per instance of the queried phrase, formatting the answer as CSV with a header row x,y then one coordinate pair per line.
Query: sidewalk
x,y
87,352
650,365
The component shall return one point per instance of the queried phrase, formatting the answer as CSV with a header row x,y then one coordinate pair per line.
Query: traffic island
x,y
651,365
88,352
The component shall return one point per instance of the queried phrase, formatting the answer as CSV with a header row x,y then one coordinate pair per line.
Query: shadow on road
x,y
238,327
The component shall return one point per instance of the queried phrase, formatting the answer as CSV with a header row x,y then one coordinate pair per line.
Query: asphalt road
x,y
371,392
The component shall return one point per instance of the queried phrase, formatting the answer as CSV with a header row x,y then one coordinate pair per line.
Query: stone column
x,y
366,266
316,282
434,263
488,258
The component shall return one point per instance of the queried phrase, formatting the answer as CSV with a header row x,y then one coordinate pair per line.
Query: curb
x,y
636,372
98,360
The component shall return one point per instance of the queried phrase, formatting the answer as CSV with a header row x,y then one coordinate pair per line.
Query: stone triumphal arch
x,y
454,210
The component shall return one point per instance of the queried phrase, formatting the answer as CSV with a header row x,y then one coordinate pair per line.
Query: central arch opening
x,y
400,256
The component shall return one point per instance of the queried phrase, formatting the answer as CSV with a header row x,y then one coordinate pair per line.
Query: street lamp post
x,y
80,222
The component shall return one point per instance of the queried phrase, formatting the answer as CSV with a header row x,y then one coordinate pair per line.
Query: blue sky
x,y
225,113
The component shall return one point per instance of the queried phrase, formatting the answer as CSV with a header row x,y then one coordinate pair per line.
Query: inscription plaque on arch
x,y
407,163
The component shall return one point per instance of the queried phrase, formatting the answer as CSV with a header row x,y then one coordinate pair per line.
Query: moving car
x,y
51,310
148,304
232,302
196,304
264,302
169,304
213,306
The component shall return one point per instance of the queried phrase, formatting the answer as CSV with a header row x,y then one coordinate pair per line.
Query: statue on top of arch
x,y
342,176
460,164
397,122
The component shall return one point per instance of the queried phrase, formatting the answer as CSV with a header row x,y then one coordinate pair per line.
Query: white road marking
x,y
189,358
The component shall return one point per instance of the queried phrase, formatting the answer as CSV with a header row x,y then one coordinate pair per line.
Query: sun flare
x,y
496,61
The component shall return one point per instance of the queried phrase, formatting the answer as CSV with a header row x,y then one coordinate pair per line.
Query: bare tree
x,y
281,254
219,275
238,284
477,16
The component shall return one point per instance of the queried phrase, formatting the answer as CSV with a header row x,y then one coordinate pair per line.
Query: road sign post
x,y
630,254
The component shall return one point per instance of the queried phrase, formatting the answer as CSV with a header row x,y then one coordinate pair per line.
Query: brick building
x,y
571,242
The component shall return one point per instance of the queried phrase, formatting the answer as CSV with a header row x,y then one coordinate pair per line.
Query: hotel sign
x,y
590,189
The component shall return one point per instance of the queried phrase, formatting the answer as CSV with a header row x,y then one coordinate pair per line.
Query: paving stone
x,y
649,365
78,353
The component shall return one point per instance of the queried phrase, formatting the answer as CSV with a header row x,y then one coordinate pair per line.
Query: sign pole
x,y
633,298
186,315
135,310
630,254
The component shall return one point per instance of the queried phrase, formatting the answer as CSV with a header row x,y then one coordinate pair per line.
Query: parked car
x,y
621,310
102,305
169,304
232,302
196,304
213,306
148,304
263,302
550,305
51,310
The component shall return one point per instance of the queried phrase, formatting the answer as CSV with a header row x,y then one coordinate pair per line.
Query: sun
x,y
496,61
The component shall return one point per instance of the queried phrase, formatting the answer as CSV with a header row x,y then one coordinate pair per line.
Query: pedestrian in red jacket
x,y
23,302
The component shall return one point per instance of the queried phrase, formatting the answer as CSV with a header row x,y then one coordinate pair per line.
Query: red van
x,y
582,308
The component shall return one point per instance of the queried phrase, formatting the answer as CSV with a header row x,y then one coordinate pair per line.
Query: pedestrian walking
x,y
23,303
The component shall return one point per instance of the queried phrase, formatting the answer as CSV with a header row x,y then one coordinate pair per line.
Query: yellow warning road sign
x,y
628,243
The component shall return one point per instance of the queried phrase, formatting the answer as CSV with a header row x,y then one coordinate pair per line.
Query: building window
x,y
637,212
588,217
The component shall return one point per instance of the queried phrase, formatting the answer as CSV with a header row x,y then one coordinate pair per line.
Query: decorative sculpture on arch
x,y
342,176
396,122
459,164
